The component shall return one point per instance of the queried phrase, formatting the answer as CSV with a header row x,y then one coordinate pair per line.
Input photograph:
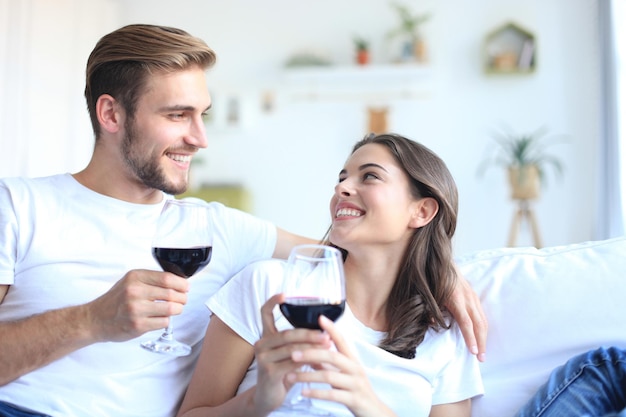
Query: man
x,y
78,285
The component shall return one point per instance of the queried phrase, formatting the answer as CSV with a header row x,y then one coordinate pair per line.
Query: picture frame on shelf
x,y
510,49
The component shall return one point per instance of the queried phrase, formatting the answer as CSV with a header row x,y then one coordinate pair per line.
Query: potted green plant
x,y
362,47
526,159
409,29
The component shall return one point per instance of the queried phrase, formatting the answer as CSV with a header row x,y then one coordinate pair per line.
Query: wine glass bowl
x,y
304,312
314,285
183,262
182,245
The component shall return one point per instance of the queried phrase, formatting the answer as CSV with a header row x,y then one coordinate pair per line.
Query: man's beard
x,y
146,169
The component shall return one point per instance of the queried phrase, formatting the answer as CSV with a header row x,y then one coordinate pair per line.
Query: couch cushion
x,y
544,306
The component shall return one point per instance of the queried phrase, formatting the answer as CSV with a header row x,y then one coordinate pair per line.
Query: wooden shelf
x,y
358,82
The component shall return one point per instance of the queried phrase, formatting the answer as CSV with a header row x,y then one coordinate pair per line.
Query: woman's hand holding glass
x,y
281,354
273,353
342,370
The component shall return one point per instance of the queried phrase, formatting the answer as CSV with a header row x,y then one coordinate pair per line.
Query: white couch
x,y
544,306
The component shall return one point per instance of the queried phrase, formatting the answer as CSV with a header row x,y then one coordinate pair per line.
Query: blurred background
x,y
290,99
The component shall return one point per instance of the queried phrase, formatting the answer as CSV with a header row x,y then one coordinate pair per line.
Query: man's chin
x,y
174,189
178,190
173,185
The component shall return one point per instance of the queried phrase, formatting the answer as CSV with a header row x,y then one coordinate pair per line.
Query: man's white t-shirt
x,y
443,370
62,244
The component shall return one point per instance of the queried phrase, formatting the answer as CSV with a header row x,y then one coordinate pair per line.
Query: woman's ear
x,y
425,210
109,113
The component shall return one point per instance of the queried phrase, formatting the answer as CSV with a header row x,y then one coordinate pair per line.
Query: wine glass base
x,y
302,410
167,347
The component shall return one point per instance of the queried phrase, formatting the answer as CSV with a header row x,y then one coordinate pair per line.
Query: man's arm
x,y
126,311
465,307
36,341
286,240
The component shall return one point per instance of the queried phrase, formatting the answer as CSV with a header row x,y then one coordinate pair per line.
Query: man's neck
x,y
116,185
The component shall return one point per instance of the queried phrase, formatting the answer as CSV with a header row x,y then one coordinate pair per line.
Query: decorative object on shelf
x,y
525,158
377,120
233,114
413,43
268,101
362,47
510,49
307,59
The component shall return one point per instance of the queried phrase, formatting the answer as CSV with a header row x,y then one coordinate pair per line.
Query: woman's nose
x,y
343,188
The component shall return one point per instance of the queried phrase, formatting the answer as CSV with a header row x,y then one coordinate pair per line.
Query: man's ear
x,y
110,114
425,210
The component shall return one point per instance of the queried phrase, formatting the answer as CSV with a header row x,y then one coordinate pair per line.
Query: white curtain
x,y
612,167
15,22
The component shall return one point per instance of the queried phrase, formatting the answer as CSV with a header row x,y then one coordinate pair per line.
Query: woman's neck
x,y
369,280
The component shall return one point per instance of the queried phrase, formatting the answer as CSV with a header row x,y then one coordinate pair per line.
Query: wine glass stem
x,y
297,399
168,334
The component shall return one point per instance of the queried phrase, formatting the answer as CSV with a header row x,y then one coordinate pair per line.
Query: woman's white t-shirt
x,y
443,370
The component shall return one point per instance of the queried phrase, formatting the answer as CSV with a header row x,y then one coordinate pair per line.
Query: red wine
x,y
304,312
183,262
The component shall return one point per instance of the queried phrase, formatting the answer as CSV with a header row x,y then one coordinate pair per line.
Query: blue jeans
x,y
592,384
9,410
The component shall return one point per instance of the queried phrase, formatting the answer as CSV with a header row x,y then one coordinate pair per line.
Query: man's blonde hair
x,y
122,61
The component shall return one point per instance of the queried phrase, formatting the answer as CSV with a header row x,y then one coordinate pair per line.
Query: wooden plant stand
x,y
524,212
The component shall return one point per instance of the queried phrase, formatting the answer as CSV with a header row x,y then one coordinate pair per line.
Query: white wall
x,y
290,157
44,126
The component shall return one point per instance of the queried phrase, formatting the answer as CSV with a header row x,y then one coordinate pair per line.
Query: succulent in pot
x,y
526,160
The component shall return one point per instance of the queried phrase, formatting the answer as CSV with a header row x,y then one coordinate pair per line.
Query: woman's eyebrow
x,y
364,166
370,165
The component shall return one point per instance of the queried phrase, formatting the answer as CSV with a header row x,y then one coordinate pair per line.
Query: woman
x,y
398,353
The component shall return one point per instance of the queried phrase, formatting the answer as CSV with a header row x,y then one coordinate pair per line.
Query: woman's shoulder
x,y
266,273
442,341
264,267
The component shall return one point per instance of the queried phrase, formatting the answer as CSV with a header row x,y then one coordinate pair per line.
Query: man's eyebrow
x,y
180,107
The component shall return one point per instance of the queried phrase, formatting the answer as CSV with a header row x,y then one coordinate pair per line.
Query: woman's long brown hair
x,y
427,274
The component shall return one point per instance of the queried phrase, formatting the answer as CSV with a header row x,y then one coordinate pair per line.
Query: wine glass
x,y
182,245
314,285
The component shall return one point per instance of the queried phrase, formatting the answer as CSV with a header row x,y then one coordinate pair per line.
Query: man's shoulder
x,y
17,183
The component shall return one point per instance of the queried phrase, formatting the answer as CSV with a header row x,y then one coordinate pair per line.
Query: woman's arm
x,y
224,362
458,409
222,365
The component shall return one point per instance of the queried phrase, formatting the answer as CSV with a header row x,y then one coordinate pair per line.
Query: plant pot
x,y
362,57
525,182
419,50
